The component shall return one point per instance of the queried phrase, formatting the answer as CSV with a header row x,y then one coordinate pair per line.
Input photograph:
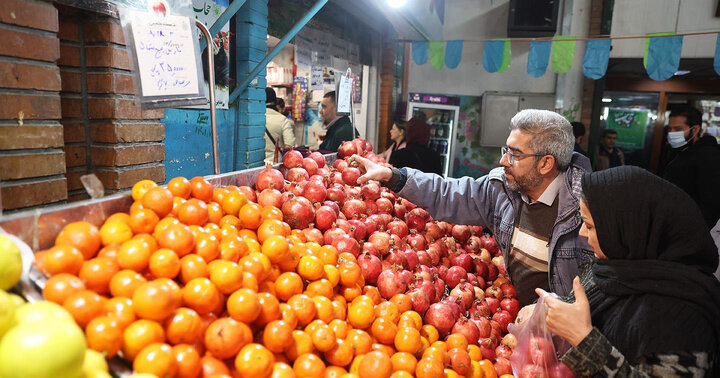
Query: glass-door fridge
x,y
441,113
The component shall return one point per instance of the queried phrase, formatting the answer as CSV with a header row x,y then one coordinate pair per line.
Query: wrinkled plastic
x,y
536,354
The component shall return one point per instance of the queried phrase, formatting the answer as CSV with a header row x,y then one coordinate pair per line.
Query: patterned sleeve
x,y
595,357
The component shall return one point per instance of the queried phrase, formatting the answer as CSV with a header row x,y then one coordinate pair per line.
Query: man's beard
x,y
524,184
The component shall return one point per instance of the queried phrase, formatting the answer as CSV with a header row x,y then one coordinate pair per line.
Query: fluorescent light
x,y
605,99
681,72
396,3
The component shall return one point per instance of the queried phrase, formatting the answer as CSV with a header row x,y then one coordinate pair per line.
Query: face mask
x,y
677,139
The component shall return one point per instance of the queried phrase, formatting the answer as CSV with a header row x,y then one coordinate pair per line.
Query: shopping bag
x,y
536,354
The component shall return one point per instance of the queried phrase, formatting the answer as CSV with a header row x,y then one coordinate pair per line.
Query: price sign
x,y
344,93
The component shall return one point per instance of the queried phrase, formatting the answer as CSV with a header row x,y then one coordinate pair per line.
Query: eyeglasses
x,y
513,157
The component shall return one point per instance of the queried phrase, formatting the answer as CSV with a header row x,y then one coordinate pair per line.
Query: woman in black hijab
x,y
650,305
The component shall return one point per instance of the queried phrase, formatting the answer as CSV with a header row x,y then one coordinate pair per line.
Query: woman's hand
x,y
571,321
372,170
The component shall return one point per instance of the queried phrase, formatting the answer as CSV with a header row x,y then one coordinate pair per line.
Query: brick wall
x,y
251,26
387,81
589,84
32,161
106,132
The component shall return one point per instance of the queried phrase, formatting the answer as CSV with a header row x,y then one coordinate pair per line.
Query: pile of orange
x,y
199,281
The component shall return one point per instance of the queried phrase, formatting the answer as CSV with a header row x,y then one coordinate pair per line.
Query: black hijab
x,y
656,291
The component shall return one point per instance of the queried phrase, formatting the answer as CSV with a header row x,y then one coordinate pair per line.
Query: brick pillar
x,y
32,163
106,131
589,84
387,107
251,49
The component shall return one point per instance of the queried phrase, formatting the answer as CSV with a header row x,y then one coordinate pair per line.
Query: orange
x,y
403,361
361,315
310,268
118,217
201,295
324,308
232,248
109,251
193,266
282,370
143,221
177,237
227,277
360,340
384,330
184,326
97,273
335,372
275,248
193,212
430,368
180,187
104,335
309,365
304,308
250,215
277,336
250,281
456,340
272,227
408,340
215,212
153,300
115,233
475,352
351,292
140,188
59,287
188,361
341,354
124,283
350,273
254,361
219,194
387,310
207,246
410,319
159,200
244,305
287,285
61,259
401,374
164,263
212,367
232,202
225,337
320,287
271,212
121,310
402,301
375,365
140,334
488,369
164,224
459,361
201,189
156,359
136,206
149,241
269,309
323,338
84,306
134,254
82,235
340,327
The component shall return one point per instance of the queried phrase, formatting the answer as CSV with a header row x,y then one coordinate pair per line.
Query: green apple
x,y
41,312
98,374
7,312
94,361
10,263
18,300
54,348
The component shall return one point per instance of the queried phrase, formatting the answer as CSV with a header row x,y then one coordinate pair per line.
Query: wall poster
x,y
207,11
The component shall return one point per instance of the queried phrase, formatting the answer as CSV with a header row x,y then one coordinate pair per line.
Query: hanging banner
x,y
538,58
647,44
595,61
716,61
207,11
664,57
436,50
506,56
563,53
630,125
493,55
453,53
420,52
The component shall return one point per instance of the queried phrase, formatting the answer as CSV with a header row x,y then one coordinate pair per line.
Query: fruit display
x,y
306,274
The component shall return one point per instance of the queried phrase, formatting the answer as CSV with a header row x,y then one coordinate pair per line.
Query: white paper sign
x,y
165,53
316,78
344,93
303,50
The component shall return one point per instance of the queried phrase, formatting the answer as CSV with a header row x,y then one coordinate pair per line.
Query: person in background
x,y
417,154
530,203
649,305
579,132
278,128
397,135
696,166
608,155
316,131
339,128
281,106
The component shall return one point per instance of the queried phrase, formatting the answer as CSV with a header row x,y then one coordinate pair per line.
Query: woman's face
x,y
395,133
588,230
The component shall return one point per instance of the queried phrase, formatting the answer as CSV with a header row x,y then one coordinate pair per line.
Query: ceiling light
x,y
396,3
606,99
681,72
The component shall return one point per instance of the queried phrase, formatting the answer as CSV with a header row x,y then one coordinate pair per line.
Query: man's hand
x,y
372,170
571,321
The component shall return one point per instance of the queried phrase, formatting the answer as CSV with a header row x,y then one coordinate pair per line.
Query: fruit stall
x,y
294,270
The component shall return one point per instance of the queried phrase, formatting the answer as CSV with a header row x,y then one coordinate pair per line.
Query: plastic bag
x,y
536,354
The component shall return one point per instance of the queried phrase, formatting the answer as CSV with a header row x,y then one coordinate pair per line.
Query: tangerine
x,y
82,235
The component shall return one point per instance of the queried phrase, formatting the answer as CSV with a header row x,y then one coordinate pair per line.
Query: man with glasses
x,y
531,203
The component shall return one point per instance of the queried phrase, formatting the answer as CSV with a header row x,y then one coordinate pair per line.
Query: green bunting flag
x,y
563,53
506,56
437,54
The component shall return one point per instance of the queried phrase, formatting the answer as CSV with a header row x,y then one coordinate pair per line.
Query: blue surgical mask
x,y
677,139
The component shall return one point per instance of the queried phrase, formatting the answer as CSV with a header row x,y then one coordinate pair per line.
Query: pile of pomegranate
x,y
454,274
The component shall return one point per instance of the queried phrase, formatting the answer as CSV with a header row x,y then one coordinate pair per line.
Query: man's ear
x,y
546,164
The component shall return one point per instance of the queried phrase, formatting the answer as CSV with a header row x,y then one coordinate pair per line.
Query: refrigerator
x,y
441,113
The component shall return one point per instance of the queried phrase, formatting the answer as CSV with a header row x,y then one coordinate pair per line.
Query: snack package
x,y
536,354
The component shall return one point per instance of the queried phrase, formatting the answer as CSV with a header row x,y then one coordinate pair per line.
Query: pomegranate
x,y
424,258
370,266
313,235
398,228
346,243
503,318
325,217
508,290
368,247
319,159
488,242
389,283
292,159
433,231
455,304
492,273
440,316
511,305
472,245
396,257
371,191
371,207
310,165
454,275
381,241
465,293
298,212
494,292
492,303
503,366
358,228
297,175
370,225
335,193
384,205
417,241
411,258
346,149
350,175
269,178
270,197
420,300
487,348
332,234
463,260
354,208
399,210
417,219
248,192
503,351
461,233
481,269
315,192
468,329
483,325
340,165
510,340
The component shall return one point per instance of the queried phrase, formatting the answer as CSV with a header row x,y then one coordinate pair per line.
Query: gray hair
x,y
551,134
